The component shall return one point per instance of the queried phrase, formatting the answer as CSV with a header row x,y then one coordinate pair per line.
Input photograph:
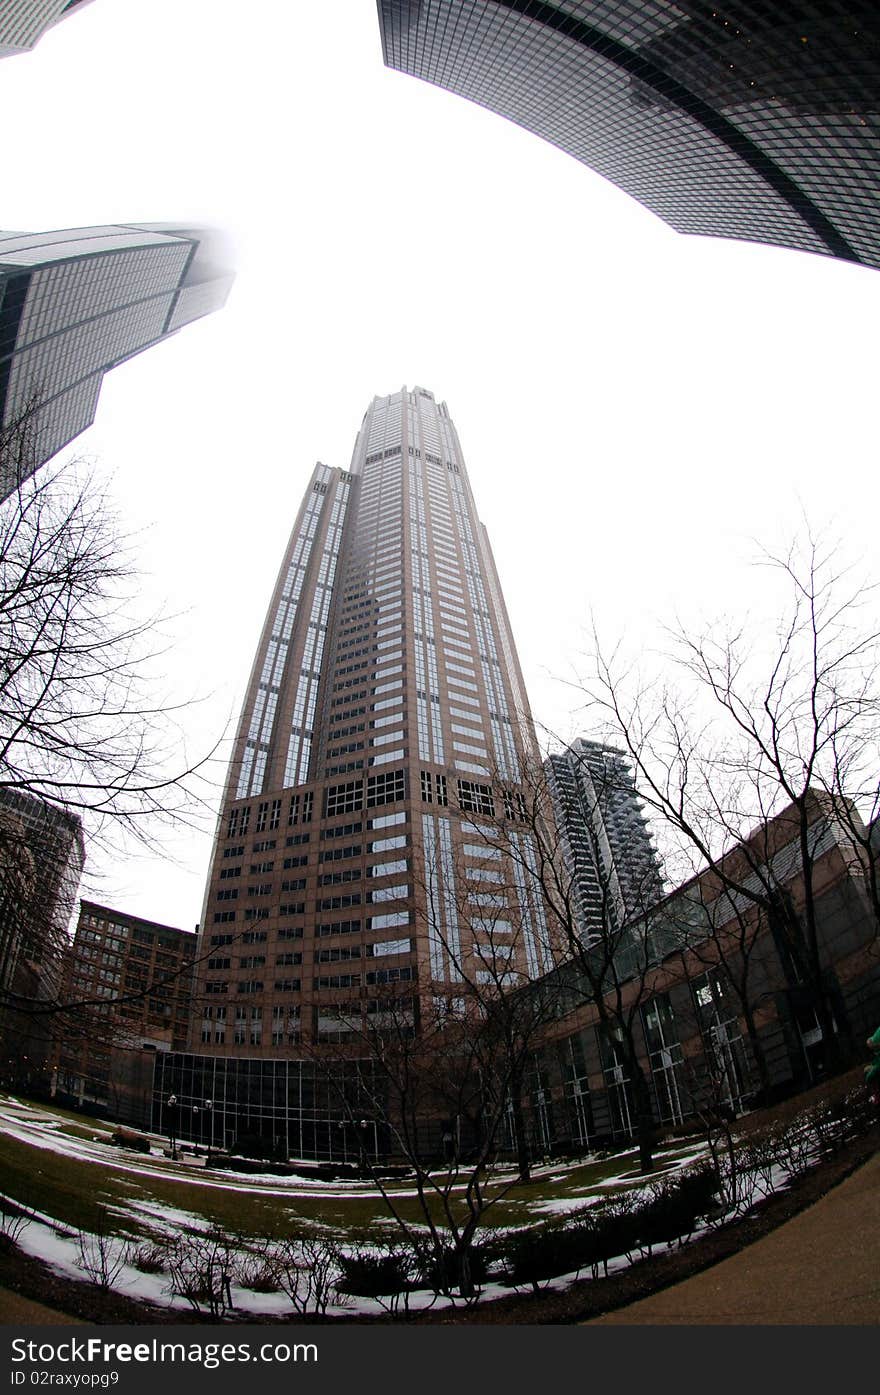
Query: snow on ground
x,y
59,1246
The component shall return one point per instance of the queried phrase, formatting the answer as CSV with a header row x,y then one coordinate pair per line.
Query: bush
x,y
124,1138
148,1257
252,1145
441,1271
371,1274
675,1205
307,1270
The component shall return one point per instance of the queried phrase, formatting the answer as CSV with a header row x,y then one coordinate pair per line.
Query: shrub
x,y
201,1269
441,1270
12,1222
674,1206
148,1257
374,1274
531,1257
307,1270
100,1256
124,1138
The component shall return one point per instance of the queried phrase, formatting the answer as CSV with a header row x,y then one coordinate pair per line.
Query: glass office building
x,y
745,119
24,22
75,303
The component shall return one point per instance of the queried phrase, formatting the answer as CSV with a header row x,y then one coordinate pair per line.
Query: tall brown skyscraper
x,y
385,725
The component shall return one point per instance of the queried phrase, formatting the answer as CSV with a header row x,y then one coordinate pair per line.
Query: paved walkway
x,y
821,1267
17,1310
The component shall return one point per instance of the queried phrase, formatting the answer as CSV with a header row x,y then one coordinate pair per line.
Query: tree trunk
x,y
520,1137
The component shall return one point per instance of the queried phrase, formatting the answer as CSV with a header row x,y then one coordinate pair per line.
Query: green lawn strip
x,y
77,1192
74,1193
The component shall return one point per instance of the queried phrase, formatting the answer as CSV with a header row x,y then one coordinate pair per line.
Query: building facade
x,y
75,303
129,982
41,860
742,120
723,1020
385,730
24,22
613,865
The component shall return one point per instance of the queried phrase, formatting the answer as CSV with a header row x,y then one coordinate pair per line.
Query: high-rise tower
x,y
384,729
24,22
75,303
748,120
614,867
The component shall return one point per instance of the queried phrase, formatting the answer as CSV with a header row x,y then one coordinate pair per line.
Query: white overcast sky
x,y
636,407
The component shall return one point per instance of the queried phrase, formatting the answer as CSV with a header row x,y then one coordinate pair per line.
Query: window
x,y
338,854
238,821
389,947
343,799
384,869
336,954
385,789
514,805
389,893
252,985
477,799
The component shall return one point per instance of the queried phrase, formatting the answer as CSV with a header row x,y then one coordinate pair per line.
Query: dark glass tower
x,y
747,119
75,303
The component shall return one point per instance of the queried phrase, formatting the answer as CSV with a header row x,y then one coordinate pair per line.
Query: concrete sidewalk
x,y
821,1267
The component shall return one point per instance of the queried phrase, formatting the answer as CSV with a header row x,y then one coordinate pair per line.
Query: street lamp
x,y
196,1130
363,1126
209,1106
171,1106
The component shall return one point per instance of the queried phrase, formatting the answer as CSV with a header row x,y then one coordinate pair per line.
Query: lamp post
x,y
363,1126
209,1106
171,1107
196,1130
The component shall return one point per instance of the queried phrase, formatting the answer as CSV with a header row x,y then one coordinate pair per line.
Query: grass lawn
x,y
51,1161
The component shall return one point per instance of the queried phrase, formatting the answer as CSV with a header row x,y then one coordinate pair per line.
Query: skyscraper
x,y
747,120
614,868
385,727
77,302
24,22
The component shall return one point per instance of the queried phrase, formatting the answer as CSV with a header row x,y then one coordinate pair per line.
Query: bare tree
x,y
491,958
765,729
610,942
433,1083
82,724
